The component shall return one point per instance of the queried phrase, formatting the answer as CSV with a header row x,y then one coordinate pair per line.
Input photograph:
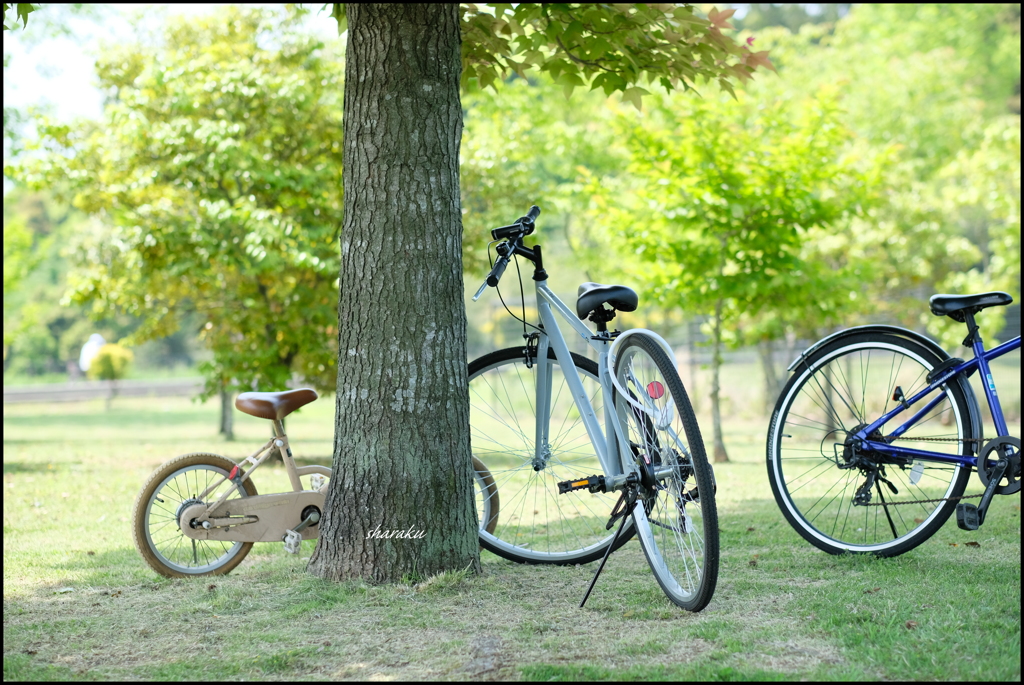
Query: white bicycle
x,y
559,435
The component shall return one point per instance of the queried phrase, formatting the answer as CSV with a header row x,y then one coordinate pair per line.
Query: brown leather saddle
x,y
274,405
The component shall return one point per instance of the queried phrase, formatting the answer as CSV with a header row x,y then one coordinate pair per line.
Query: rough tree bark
x,y
401,453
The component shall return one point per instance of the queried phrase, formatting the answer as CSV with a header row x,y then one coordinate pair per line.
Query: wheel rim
x,y
670,523
535,523
850,386
163,536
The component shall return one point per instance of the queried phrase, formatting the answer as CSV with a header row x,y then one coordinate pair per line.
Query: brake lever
x,y
480,292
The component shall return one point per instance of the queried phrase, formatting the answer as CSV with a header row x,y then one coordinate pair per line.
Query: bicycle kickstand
x,y
628,498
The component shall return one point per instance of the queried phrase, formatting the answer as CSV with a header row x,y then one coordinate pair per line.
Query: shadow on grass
x,y
115,418
12,467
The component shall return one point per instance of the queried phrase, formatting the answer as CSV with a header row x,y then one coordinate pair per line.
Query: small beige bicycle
x,y
199,514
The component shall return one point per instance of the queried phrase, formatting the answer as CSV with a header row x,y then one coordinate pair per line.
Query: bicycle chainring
x,y
1012,474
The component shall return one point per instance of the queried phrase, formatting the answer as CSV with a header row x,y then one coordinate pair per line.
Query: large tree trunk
x,y
716,365
401,449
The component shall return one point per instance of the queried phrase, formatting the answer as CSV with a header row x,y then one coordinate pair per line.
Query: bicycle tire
x,y
686,562
168,480
535,524
808,424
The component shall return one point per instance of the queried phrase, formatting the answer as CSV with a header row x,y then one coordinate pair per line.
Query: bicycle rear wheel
x,y
155,527
847,384
678,522
535,524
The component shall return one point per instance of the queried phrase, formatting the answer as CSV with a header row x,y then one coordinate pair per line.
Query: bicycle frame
x,y
609,447
277,517
980,362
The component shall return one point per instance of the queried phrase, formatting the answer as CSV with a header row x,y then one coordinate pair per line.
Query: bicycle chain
x,y
978,440
929,501
919,501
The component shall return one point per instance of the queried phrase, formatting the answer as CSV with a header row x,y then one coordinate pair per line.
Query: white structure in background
x,y
89,351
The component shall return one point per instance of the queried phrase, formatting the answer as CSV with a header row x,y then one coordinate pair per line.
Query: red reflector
x,y
234,472
655,390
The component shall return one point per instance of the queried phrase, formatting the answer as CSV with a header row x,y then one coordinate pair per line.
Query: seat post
x,y
278,428
973,333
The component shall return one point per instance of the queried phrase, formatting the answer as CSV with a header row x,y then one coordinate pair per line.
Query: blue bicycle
x,y
873,439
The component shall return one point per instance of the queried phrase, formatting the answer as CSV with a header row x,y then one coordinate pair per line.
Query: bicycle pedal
x,y
591,483
967,516
292,541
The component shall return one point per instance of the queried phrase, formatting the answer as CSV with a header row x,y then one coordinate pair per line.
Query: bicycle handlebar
x,y
523,226
497,271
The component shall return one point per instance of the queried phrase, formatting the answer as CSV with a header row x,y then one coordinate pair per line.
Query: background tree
x,y
923,84
728,194
215,175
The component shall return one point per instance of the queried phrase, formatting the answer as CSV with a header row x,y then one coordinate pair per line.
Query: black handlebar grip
x,y
497,271
533,213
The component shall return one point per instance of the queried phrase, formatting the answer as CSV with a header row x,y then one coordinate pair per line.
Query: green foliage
x,y
20,14
980,194
111,363
985,37
722,202
615,47
40,333
522,145
216,174
925,89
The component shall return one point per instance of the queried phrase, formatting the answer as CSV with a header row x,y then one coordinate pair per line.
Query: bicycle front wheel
x,y
173,487
847,384
535,524
678,522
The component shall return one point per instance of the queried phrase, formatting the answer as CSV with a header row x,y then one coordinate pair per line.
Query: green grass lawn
x,y
80,604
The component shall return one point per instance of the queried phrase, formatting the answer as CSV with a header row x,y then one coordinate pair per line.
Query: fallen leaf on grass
x,y
972,543
918,520
211,587
872,590
953,544
30,651
751,529
91,553
910,625
115,593
63,590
